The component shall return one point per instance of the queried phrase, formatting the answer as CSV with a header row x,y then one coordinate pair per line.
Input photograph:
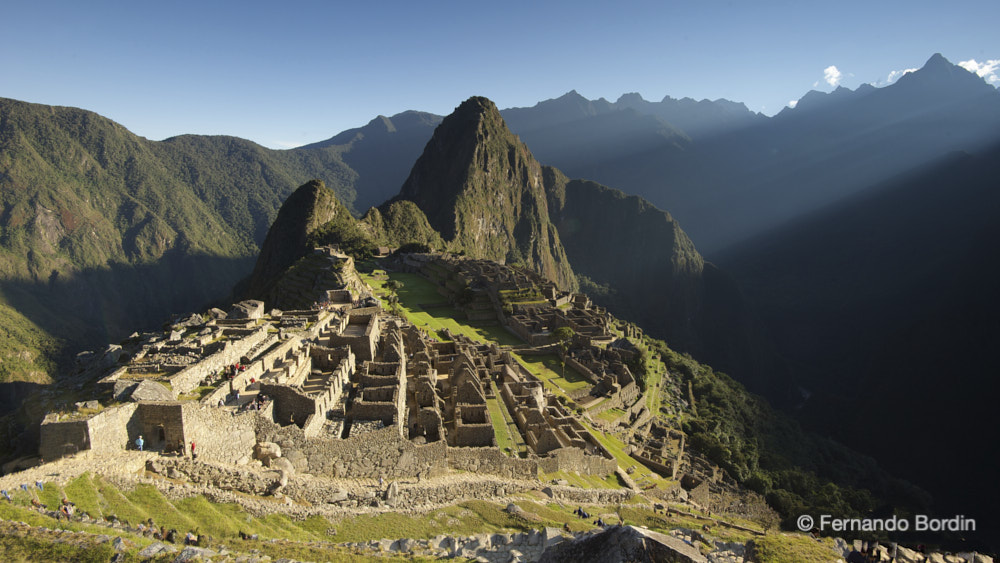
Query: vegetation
x,y
797,472
793,548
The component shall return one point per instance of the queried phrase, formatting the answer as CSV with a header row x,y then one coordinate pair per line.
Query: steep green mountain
x,y
312,217
396,223
103,232
311,207
483,191
886,307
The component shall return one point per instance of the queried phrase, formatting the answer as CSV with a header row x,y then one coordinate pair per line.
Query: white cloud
x,y
793,103
986,69
896,74
832,75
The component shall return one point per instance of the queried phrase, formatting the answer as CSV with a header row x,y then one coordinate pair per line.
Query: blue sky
x,y
289,73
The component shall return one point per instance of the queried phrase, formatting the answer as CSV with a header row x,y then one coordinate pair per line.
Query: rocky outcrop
x,y
310,207
623,543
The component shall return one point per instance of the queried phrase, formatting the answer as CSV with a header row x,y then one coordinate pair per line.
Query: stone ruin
x,y
348,390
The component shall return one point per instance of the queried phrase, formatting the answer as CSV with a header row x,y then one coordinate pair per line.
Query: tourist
x,y
139,442
193,455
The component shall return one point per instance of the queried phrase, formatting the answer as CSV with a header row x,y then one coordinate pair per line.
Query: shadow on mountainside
x,y
97,306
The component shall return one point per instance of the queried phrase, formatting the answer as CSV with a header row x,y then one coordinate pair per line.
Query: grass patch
x,y
29,549
611,415
508,435
418,291
467,518
794,548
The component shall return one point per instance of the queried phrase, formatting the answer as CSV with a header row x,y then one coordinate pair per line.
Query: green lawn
x,y
641,474
547,368
509,438
418,292
611,415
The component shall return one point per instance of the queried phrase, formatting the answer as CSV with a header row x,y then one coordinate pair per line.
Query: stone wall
x,y
59,438
161,425
575,459
577,496
114,428
491,461
220,435
380,453
290,405
190,377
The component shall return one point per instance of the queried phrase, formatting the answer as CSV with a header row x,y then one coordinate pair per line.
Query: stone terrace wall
x,y
188,378
493,462
379,453
574,459
220,436
577,496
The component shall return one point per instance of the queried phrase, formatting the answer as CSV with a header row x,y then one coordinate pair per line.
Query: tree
x,y
563,336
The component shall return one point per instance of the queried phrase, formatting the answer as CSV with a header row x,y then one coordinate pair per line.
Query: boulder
x,y
217,314
392,492
123,389
156,548
249,309
111,355
192,553
189,321
266,451
282,464
622,543
149,390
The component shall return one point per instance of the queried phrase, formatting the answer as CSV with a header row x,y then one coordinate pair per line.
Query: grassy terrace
x,y
611,415
310,538
508,436
548,368
642,475
423,306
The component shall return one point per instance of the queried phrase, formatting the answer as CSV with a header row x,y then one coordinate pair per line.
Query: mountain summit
x,y
481,188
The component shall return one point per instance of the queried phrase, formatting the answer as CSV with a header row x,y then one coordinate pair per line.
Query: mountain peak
x,y
481,188
476,104
937,60
939,78
630,98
